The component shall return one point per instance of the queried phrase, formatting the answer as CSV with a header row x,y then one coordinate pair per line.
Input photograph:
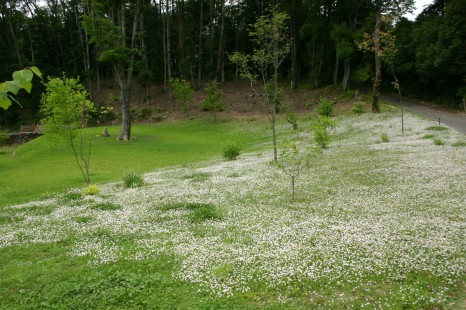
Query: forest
x,y
149,42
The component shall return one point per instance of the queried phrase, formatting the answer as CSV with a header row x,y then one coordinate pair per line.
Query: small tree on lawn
x,y
183,92
294,157
270,33
64,107
212,102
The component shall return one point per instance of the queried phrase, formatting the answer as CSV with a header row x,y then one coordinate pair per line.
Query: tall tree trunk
x,y
378,66
335,72
199,54
146,84
220,44
182,65
164,45
294,52
346,75
169,65
125,74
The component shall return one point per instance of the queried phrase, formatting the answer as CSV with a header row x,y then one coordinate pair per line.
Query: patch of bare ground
x,y
239,101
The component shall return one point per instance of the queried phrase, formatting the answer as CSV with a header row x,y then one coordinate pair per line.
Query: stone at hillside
x,y
105,133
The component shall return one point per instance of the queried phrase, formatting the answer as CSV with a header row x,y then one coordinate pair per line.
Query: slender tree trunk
x,y
199,53
169,65
15,43
220,44
164,45
182,65
346,75
294,52
125,74
378,66
335,72
146,84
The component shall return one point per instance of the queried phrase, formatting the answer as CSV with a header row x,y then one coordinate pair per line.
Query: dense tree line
x,y
152,41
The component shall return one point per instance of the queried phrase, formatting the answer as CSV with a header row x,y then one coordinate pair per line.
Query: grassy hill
x,y
378,222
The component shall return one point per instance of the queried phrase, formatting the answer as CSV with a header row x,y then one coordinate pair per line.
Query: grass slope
x,y
374,225
39,169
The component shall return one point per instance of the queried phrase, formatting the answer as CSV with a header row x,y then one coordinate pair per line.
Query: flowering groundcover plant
x,y
376,225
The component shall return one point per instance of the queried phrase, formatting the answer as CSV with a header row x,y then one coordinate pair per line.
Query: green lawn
x,y
39,168
377,225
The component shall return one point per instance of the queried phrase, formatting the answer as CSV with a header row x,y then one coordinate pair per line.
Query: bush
x,y
384,137
358,108
321,129
3,136
212,102
133,179
91,190
231,150
325,107
182,91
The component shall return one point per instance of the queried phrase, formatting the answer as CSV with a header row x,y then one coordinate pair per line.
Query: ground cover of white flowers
x,y
374,225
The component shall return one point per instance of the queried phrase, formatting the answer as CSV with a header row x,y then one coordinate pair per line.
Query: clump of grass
x,y
105,206
231,150
437,128
91,190
438,141
385,138
200,212
197,176
358,108
459,143
133,179
428,136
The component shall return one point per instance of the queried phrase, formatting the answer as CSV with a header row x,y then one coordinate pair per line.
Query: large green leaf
x,y
23,76
28,86
11,86
36,71
4,101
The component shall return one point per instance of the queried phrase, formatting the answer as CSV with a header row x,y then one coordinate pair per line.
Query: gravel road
x,y
455,120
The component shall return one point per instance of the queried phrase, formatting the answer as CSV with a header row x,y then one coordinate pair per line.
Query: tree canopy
x,y
154,41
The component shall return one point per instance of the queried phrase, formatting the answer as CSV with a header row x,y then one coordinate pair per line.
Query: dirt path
x,y
454,120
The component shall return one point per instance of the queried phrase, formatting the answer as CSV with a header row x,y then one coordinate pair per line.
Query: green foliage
x,y
437,128
213,102
106,206
231,149
384,138
21,80
358,108
200,212
459,144
343,38
133,179
182,91
438,141
65,109
91,190
321,129
325,107
3,136
292,118
294,157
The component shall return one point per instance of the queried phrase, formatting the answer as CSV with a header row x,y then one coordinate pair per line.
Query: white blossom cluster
x,y
364,209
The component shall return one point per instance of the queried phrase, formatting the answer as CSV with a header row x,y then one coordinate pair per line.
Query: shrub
x,y
292,118
358,108
91,190
321,129
384,137
212,102
325,107
3,136
182,91
133,179
231,150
